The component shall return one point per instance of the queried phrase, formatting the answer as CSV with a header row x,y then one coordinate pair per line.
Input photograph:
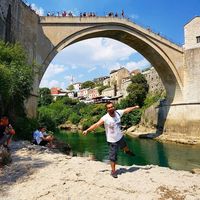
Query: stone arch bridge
x,y
44,37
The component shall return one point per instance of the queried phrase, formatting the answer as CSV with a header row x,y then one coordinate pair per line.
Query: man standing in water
x,y
114,135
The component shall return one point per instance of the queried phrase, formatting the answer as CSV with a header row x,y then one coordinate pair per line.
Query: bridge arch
x,y
152,49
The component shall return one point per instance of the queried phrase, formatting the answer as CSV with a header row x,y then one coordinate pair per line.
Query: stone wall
x,y
108,92
192,31
124,87
154,81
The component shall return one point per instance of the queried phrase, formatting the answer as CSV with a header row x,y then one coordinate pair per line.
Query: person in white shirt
x,y
41,138
114,135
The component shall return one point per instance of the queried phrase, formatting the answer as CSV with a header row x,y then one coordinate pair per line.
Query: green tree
x,y
45,97
18,74
74,118
137,90
88,84
70,87
5,86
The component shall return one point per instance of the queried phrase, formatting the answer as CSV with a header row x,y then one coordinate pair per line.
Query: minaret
x,y
72,80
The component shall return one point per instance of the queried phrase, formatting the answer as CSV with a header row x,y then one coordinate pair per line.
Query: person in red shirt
x,y
6,131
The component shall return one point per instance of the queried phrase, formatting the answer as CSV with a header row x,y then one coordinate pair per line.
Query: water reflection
x,y
175,156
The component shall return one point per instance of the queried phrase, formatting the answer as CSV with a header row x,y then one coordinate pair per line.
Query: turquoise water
x,y
175,156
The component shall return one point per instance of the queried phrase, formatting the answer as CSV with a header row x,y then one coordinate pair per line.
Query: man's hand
x,y
85,132
137,107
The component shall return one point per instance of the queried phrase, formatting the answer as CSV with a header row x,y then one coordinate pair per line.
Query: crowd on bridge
x,y
84,14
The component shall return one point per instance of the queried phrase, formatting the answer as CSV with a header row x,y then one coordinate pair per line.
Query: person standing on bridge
x,y
123,13
114,135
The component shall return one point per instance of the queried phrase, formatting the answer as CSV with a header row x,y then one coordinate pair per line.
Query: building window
x,y
198,39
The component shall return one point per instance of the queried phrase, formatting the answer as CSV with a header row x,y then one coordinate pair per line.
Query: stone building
x,y
125,83
192,34
116,77
153,80
93,93
106,82
77,86
83,93
58,92
115,82
100,80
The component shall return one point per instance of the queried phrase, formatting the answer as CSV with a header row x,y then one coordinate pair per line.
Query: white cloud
x,y
53,70
105,54
92,69
131,65
97,51
50,84
39,11
137,65
68,78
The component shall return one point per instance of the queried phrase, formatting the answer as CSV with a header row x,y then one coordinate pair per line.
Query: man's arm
x,y
127,110
94,126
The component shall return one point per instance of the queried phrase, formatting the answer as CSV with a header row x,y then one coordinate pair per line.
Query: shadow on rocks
x,y
131,169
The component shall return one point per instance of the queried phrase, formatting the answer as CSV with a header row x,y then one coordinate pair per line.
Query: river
x,y
172,155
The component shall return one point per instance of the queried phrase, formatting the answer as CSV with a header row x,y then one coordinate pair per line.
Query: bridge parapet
x,y
47,20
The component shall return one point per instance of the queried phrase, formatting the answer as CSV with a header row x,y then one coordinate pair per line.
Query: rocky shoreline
x,y
151,133
40,173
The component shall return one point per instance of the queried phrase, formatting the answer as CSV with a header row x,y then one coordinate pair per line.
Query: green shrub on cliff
x,y
15,79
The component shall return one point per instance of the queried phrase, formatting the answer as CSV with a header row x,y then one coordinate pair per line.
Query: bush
x,y
74,118
131,118
152,98
24,128
16,79
45,118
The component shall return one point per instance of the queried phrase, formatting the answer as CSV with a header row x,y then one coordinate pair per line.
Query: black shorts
x,y
43,143
113,148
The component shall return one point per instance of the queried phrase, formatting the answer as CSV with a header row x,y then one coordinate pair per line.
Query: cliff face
x,y
149,118
19,23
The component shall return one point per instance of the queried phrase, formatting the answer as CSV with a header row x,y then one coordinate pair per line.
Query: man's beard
x,y
112,112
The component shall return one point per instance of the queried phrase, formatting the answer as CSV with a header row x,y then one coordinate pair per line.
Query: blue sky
x,y
96,57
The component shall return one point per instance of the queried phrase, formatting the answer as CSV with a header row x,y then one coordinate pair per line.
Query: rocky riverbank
x,y
151,133
39,173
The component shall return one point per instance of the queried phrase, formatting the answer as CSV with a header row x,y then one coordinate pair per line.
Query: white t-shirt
x,y
113,126
37,135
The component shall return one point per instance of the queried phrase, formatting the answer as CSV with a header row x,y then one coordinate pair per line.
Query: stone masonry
x,y
154,81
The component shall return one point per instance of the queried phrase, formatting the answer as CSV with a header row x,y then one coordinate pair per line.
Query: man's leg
x,y
113,158
49,139
3,139
124,147
127,151
112,166
9,139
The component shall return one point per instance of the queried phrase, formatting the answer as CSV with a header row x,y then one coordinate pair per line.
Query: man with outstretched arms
x,y
114,135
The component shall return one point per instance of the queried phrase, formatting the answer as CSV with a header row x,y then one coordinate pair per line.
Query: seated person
x,y
42,138
6,131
